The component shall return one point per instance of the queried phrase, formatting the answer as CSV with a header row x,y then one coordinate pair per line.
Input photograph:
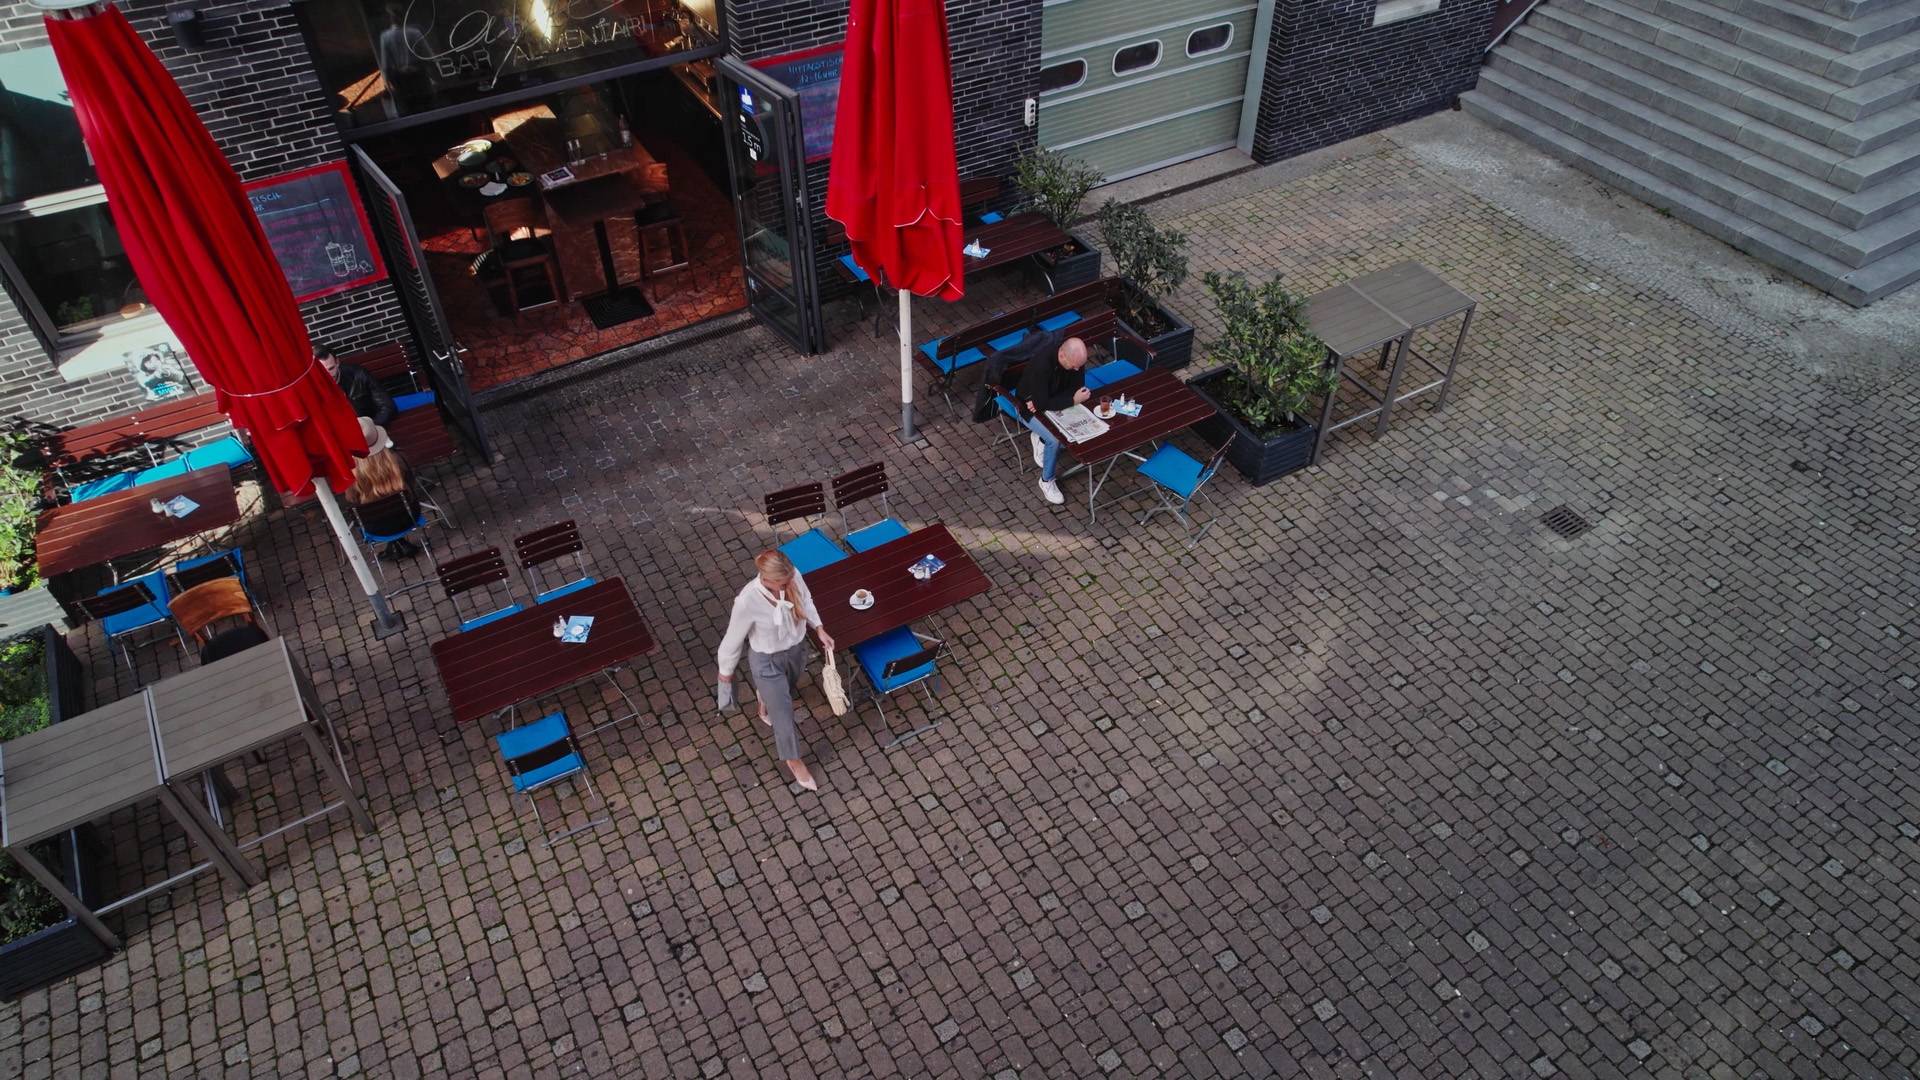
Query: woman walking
x,y
770,620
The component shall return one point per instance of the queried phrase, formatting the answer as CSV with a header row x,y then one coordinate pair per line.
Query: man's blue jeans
x,y
1051,455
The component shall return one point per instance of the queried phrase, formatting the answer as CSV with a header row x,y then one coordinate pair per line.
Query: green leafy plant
x,y
24,905
1054,184
20,477
1275,365
1152,258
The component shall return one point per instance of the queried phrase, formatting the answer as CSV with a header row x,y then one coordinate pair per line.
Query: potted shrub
x,y
1055,185
1271,369
39,941
24,600
1150,263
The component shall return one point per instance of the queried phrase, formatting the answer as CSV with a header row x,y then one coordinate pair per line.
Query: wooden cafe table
x,y
899,598
83,534
1167,405
493,668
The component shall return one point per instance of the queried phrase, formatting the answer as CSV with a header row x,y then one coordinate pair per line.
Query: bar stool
x,y
659,224
521,240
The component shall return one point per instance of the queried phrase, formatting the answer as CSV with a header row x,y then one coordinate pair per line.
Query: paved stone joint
x,y
1386,779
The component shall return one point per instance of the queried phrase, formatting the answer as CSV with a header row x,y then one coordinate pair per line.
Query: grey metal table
x,y
1350,323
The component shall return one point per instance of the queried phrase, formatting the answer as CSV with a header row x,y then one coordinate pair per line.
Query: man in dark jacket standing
x,y
369,398
1048,384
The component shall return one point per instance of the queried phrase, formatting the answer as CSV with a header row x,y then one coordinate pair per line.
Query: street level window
x,y
72,263
1063,76
1135,58
1209,39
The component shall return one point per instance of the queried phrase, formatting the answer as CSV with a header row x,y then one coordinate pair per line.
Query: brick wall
x,y
253,86
996,55
1332,75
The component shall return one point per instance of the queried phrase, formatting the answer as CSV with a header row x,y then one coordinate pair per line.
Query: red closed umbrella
x,y
893,183
200,254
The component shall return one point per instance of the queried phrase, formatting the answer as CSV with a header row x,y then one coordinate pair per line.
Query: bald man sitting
x,y
1051,383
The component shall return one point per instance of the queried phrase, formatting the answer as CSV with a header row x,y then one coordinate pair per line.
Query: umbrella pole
x,y
907,432
385,622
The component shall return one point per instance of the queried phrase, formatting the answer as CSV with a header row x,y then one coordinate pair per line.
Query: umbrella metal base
x,y
384,630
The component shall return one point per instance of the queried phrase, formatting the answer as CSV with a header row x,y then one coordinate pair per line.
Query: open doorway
x,y
570,225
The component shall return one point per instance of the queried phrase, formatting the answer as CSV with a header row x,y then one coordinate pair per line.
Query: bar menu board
x,y
318,230
814,75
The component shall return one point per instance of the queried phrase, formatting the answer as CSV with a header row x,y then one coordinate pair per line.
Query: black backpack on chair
x,y
1036,344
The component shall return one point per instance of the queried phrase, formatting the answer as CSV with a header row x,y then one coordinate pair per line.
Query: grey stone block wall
x,y
1331,74
254,88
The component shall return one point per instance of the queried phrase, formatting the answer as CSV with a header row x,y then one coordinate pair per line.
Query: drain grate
x,y
1565,521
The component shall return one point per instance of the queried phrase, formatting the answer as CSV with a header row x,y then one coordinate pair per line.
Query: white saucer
x,y
857,605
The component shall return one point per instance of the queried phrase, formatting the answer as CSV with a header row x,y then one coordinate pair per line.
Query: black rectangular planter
x,y
47,955
1261,461
1172,347
1066,272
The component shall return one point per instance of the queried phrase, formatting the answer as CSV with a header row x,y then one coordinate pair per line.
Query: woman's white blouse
x,y
761,622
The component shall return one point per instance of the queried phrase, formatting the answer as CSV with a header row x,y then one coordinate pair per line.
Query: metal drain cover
x,y
1565,521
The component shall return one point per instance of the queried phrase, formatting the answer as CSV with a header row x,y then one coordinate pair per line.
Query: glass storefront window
x,y
73,263
381,60
40,147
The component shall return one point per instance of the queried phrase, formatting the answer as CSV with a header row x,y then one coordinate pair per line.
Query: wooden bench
x,y
977,197
165,424
1096,321
389,364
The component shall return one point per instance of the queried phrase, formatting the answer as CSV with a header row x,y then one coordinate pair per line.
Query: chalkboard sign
x,y
318,230
813,74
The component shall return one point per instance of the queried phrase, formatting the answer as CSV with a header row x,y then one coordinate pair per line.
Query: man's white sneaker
x,y
1039,450
1052,491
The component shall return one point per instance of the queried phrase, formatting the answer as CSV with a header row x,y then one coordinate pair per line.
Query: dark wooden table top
x,y
1166,405
898,597
1012,238
507,662
84,534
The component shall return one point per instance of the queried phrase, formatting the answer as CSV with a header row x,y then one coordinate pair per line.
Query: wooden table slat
x,y
213,714
1167,405
1412,294
517,658
84,534
1349,322
898,598
77,771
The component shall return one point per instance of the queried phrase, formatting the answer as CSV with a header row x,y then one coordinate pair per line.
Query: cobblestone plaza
x,y
1386,778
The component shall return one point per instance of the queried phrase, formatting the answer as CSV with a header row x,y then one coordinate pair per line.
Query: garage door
x,y
1131,85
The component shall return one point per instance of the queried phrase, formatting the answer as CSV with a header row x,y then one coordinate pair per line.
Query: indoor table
x,y
1167,405
899,598
83,534
493,668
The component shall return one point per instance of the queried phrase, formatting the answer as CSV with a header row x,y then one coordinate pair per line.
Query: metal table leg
x,y
1446,386
50,882
1393,384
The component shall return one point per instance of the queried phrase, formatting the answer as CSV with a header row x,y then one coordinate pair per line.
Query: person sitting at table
x,y
769,623
381,473
1051,383
369,398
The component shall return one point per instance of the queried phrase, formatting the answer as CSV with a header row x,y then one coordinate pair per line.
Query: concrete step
x,y
1858,286
1715,86
1704,47
1853,248
1847,9
1848,68
1730,142
1846,34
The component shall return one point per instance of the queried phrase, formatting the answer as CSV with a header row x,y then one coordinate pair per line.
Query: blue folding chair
x,y
543,550
812,549
896,660
204,568
406,402
1013,429
473,574
128,608
1172,472
1111,372
541,754
399,516
864,483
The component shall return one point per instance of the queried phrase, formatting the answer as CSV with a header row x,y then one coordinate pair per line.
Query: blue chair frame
x,y
130,607
812,549
857,486
538,755
547,547
898,660
1171,471
396,501
469,574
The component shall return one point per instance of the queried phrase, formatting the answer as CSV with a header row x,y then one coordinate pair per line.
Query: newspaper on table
x,y
1077,424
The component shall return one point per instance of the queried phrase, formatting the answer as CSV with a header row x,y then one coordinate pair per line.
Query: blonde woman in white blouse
x,y
770,620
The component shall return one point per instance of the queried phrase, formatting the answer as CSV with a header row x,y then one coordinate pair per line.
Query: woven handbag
x,y
830,682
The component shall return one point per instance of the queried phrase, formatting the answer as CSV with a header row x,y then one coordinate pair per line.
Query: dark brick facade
x,y
253,85
1331,74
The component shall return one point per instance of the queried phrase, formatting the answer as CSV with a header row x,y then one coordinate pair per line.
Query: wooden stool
x,y
520,240
659,224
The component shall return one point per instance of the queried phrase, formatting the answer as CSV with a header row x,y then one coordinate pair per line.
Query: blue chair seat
x,y
564,765
479,621
405,402
239,563
1111,372
143,616
388,538
105,485
854,268
875,655
570,587
811,550
990,217
227,450
531,738
1055,322
166,470
880,532
1173,470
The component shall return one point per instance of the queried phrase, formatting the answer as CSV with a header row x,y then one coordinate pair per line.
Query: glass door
x,y
766,163
408,264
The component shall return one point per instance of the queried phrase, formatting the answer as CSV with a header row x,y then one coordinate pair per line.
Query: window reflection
x,y
40,147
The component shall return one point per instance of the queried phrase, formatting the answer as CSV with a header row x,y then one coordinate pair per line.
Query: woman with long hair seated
x,y
383,473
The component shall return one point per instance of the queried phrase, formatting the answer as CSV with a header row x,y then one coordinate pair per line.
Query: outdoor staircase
x,y
1789,129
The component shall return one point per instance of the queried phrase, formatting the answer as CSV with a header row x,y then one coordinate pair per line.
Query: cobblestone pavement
x,y
1385,779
